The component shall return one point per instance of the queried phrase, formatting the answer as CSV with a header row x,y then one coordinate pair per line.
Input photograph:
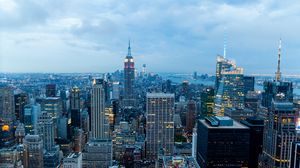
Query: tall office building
x,y
207,102
45,128
7,117
51,90
99,125
223,64
51,105
277,90
222,142
191,116
73,160
249,83
129,100
33,152
279,133
160,124
230,91
75,107
256,126
295,155
7,105
21,99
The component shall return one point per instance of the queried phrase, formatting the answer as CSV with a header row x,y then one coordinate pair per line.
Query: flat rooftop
x,y
235,125
160,95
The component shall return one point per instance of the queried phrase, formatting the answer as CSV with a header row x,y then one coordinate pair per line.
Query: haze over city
x,y
168,36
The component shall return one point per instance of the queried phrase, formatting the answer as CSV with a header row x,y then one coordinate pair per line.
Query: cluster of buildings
x,y
131,119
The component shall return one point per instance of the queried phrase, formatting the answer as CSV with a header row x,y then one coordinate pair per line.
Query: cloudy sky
x,y
167,35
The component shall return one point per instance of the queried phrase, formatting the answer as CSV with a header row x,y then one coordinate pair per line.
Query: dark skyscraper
x,y
50,90
128,79
256,126
249,82
75,107
21,100
207,102
222,142
295,155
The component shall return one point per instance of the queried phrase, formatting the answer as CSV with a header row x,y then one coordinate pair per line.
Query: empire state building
x,y
128,80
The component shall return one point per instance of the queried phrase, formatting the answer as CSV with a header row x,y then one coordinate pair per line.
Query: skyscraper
x,y
45,128
99,125
50,90
129,80
223,64
191,116
75,107
279,133
160,124
295,155
249,83
7,116
33,155
230,91
21,99
256,126
222,142
277,90
207,102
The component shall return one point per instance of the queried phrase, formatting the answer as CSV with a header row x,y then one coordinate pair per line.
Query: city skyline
x,y
168,36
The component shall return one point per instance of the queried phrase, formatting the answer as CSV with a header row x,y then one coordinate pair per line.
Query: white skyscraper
x,y
99,125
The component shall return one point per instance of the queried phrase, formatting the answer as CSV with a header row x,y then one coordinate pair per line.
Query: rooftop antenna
x,y
278,73
225,36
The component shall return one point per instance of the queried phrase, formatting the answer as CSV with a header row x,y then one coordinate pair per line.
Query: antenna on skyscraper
x,y
224,54
278,73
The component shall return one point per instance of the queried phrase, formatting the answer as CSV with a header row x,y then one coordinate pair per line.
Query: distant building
x,y
97,153
21,100
249,83
33,155
100,126
231,90
160,124
129,78
10,158
207,102
51,105
75,107
191,116
7,117
238,114
45,128
179,161
73,160
51,90
277,90
222,142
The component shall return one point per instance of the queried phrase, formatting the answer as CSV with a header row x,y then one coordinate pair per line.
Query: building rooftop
x,y
160,95
222,123
74,155
180,162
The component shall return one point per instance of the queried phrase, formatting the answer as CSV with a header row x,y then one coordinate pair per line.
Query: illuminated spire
x,y
129,49
278,73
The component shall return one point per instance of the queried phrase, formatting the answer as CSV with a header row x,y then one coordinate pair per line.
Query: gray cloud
x,y
170,36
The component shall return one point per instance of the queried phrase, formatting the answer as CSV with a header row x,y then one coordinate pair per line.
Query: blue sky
x,y
167,35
